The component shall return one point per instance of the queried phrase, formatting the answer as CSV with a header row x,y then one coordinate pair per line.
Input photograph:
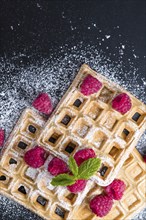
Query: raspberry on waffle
x,y
98,114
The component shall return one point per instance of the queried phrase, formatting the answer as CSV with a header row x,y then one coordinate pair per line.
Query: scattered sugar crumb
x,y
107,36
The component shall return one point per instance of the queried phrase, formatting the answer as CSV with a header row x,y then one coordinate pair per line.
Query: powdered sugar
x,y
22,84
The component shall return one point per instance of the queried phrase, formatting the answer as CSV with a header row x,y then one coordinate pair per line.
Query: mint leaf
x,y
73,166
63,180
88,168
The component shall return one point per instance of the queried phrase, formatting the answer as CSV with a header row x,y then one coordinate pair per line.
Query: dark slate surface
x,y
38,29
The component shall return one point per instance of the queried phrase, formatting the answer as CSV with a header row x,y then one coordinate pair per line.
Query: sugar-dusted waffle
x,y
28,186
82,121
31,187
133,173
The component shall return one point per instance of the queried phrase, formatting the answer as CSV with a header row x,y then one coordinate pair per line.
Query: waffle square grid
x,y
89,121
31,187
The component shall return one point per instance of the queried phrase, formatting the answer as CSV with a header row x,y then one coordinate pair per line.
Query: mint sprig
x,y
63,180
73,166
88,168
84,171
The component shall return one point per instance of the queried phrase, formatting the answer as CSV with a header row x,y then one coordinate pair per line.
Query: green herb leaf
x,y
63,180
88,168
73,166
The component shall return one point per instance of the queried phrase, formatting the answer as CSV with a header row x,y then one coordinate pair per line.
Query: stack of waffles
x,y
78,122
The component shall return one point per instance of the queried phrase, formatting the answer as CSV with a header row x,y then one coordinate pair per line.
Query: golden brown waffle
x,y
133,173
89,121
32,189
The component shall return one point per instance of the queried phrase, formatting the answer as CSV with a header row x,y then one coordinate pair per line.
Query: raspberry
x,y
43,103
35,157
116,189
78,186
144,158
57,166
122,103
101,205
2,137
90,85
83,155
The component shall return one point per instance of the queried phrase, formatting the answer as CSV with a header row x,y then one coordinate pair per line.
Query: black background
x,y
42,26
37,28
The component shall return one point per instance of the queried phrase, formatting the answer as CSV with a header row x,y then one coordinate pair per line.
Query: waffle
x,y
32,189
28,186
89,121
133,173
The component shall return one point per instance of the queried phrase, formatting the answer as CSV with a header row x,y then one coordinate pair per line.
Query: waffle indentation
x,y
78,101
69,198
116,151
93,110
54,137
69,147
20,190
110,121
104,171
129,160
135,170
21,144
99,138
4,180
31,173
30,129
127,133
11,163
42,201
106,95
65,118
81,128
60,212
39,202
132,201
138,116
116,214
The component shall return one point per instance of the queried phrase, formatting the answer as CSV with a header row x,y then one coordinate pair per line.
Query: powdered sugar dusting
x,y
22,83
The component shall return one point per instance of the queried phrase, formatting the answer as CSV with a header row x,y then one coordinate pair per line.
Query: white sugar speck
x,y
134,56
63,15
107,36
38,5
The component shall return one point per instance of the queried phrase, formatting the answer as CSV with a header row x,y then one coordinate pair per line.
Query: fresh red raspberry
x,y
90,85
83,155
144,158
122,103
43,103
2,137
57,166
101,205
78,186
116,189
35,157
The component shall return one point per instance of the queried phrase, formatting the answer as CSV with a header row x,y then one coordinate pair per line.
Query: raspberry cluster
x,y
102,204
